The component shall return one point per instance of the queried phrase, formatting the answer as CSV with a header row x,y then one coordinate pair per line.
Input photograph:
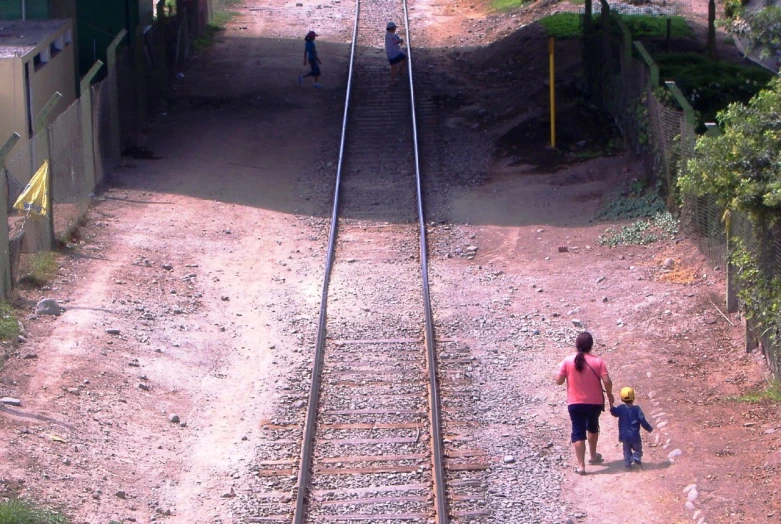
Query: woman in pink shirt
x,y
585,374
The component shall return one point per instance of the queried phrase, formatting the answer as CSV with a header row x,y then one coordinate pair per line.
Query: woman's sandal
x,y
580,471
596,460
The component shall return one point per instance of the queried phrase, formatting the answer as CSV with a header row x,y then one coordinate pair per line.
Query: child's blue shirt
x,y
630,418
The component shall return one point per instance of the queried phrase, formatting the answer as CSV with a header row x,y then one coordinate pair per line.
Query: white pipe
x,y
24,9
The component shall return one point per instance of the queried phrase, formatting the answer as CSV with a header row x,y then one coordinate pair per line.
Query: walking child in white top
x,y
393,49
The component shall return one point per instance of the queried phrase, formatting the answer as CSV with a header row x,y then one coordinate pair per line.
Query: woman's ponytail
x,y
583,343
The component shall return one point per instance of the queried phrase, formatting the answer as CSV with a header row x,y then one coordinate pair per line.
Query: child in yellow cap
x,y
630,418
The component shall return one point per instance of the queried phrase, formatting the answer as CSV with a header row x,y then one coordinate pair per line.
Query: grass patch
x,y
506,5
770,393
38,269
568,25
212,29
17,511
709,86
9,327
562,25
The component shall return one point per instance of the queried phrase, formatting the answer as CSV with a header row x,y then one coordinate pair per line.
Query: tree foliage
x,y
761,28
741,167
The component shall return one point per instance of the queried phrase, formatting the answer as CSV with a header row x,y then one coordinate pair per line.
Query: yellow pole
x,y
552,82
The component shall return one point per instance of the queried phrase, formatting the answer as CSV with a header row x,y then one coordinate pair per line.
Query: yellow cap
x,y
627,394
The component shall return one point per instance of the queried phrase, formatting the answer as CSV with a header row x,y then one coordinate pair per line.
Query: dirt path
x,y
195,285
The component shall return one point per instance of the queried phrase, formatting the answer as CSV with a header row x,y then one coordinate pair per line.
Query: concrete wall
x,y
57,74
13,113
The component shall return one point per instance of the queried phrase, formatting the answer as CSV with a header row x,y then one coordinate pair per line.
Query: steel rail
x,y
438,467
304,477
310,424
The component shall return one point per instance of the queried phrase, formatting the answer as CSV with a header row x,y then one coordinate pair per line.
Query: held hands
x,y
612,399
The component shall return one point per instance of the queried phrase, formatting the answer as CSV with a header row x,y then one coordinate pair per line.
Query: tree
x,y
742,166
761,28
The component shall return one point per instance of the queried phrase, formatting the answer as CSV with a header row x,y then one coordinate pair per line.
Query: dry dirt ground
x,y
193,290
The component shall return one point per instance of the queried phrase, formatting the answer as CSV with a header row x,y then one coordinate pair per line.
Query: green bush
x,y
660,226
16,511
643,27
710,86
568,25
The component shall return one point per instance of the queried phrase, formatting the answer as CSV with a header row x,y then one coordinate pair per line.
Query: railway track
x,y
372,447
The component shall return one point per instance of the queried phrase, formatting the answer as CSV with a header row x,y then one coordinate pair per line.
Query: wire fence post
x,y
652,66
731,299
688,111
5,246
87,130
139,71
42,131
113,98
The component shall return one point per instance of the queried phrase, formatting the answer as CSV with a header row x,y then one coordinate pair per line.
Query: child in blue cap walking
x,y
310,55
630,418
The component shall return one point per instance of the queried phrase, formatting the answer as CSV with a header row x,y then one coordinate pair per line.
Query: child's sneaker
x,y
318,86
300,81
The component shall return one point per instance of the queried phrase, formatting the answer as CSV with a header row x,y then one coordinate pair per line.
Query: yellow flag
x,y
34,199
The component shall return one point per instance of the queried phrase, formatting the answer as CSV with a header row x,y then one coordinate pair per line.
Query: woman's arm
x,y
608,388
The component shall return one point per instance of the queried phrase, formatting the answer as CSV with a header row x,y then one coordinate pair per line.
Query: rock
x,y
674,453
10,401
605,299
508,459
48,306
74,391
229,494
183,424
66,461
30,356
298,404
225,298
577,323
168,267
113,331
173,417
120,494
21,339
134,363
601,279
690,505
143,387
668,263
563,249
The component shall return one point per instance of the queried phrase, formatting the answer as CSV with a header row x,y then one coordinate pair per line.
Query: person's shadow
x,y
617,466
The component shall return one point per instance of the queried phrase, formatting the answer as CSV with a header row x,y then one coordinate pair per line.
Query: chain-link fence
x,y
69,185
116,112
665,137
